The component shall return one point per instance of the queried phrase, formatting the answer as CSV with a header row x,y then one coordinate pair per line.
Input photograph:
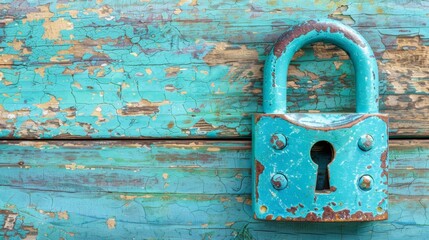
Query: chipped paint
x,y
142,107
47,213
146,37
406,61
53,29
12,226
8,59
111,223
103,12
70,50
211,190
288,183
63,215
9,222
303,131
213,149
43,12
361,54
74,166
224,53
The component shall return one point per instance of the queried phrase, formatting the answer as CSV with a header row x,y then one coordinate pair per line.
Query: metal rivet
x,y
279,181
366,182
278,141
366,142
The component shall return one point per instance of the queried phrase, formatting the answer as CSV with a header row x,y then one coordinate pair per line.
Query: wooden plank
x,y
50,215
164,167
132,69
199,189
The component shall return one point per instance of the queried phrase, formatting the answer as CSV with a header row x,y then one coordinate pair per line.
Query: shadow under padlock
x,y
320,166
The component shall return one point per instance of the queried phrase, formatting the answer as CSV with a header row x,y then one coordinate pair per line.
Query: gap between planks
x,y
238,139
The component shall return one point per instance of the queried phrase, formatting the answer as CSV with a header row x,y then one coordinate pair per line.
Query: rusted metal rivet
x,y
279,181
366,142
366,182
278,141
263,209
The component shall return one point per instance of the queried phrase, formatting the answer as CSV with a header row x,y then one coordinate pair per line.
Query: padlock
x,y
319,166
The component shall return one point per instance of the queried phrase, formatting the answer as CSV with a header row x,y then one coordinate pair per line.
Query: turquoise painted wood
x,y
128,69
118,71
166,189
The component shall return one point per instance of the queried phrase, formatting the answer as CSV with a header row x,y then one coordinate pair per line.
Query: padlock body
x,y
285,173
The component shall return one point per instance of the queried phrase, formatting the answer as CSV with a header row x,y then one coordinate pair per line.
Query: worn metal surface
x,y
344,200
288,182
330,31
176,190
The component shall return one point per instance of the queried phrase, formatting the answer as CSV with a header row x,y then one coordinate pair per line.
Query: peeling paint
x,y
53,29
403,66
223,53
300,199
165,176
142,107
72,51
144,38
103,12
211,190
128,197
42,13
111,223
13,227
63,215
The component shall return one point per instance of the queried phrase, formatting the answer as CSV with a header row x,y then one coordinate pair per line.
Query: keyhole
x,y
322,153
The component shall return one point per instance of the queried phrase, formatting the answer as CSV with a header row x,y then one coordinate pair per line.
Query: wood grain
x,y
175,190
133,69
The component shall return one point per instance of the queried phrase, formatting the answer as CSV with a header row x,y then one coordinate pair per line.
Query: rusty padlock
x,y
320,166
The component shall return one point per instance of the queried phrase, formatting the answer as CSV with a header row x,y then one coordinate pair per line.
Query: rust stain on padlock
x,y
365,65
383,166
259,169
329,215
299,30
343,206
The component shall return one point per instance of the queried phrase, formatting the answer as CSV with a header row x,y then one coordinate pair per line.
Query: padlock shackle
x,y
330,31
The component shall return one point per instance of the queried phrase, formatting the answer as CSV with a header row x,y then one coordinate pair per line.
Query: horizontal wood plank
x,y
175,190
50,215
165,167
133,69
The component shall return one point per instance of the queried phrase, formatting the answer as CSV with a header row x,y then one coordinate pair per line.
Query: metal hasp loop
x,y
329,31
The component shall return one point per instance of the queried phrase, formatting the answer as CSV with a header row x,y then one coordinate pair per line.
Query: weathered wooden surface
x,y
107,68
186,69
165,189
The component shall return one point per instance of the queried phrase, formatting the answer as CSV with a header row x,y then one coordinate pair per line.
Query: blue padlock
x,y
320,166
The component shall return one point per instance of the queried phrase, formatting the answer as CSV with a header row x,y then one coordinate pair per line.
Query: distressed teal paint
x,y
156,217
173,212
297,197
205,97
207,91
300,201
138,167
